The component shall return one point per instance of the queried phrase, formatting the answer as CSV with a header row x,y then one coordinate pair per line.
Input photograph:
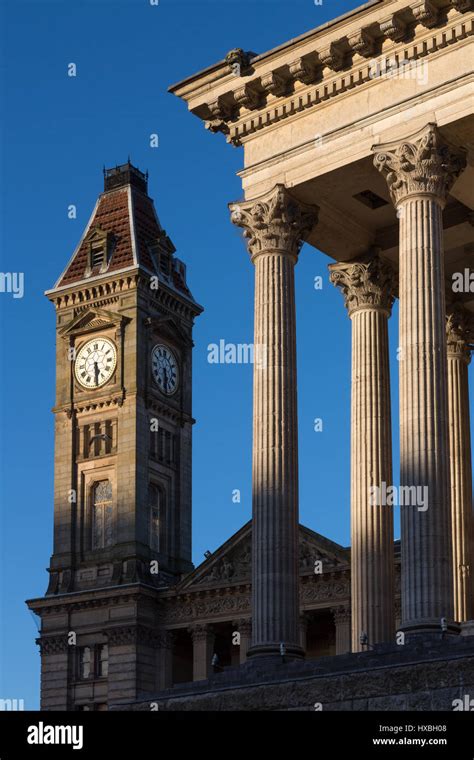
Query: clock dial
x,y
164,368
95,363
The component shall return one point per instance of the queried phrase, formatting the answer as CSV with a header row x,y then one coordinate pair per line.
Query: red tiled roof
x,y
140,228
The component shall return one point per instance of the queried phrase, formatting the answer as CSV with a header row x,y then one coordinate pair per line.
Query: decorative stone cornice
x,y
368,283
362,42
459,329
303,70
334,56
274,223
424,164
134,634
463,6
426,13
417,30
247,96
52,644
393,27
274,83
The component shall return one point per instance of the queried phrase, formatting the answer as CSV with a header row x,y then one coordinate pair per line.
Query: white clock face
x,y
95,363
164,368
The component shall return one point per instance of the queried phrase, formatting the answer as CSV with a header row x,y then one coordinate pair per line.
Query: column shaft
x,y
372,557
459,327
427,594
275,607
274,226
368,286
420,172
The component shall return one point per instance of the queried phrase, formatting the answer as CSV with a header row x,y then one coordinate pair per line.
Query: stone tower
x,y
122,482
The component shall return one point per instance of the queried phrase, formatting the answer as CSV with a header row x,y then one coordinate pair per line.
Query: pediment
x,y
232,562
91,321
97,233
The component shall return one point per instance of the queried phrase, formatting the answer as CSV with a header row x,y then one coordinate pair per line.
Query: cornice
x,y
89,293
240,106
91,599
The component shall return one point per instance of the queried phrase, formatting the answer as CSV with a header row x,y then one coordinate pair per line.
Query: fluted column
x,y
368,287
419,173
342,621
274,226
203,643
164,657
459,331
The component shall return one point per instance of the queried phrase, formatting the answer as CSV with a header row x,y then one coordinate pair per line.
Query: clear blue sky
x,y
57,132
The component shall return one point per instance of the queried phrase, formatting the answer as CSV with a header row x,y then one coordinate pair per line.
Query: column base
x,y
272,650
429,629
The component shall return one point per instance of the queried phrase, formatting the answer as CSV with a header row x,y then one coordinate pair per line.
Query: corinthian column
x,y
459,327
368,288
274,226
420,172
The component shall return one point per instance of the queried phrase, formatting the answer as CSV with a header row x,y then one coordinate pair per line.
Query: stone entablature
x,y
219,589
241,98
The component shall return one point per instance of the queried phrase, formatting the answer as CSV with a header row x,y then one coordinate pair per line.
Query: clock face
x,y
164,369
95,363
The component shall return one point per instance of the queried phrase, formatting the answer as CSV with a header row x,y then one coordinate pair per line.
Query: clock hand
x,y
165,377
96,373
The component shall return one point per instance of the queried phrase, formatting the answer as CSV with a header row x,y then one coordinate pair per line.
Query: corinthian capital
x,y
274,222
459,331
368,283
426,163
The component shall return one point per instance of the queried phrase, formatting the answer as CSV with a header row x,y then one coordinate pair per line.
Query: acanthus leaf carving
x,y
424,164
275,222
459,332
365,283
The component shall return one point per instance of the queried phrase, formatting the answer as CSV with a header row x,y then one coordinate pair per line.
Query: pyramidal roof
x,y
125,222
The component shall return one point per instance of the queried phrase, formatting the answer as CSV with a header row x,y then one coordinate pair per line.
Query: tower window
x,y
102,660
97,256
85,661
102,515
99,251
93,662
154,506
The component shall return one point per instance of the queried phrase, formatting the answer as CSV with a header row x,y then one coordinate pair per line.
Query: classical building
x,y
357,139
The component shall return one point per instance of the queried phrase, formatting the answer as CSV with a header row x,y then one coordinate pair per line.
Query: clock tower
x,y
122,480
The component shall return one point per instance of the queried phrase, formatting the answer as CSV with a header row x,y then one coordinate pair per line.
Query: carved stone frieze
x,y
49,645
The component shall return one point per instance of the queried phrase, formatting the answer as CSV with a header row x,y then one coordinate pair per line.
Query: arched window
x,y
155,512
102,514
